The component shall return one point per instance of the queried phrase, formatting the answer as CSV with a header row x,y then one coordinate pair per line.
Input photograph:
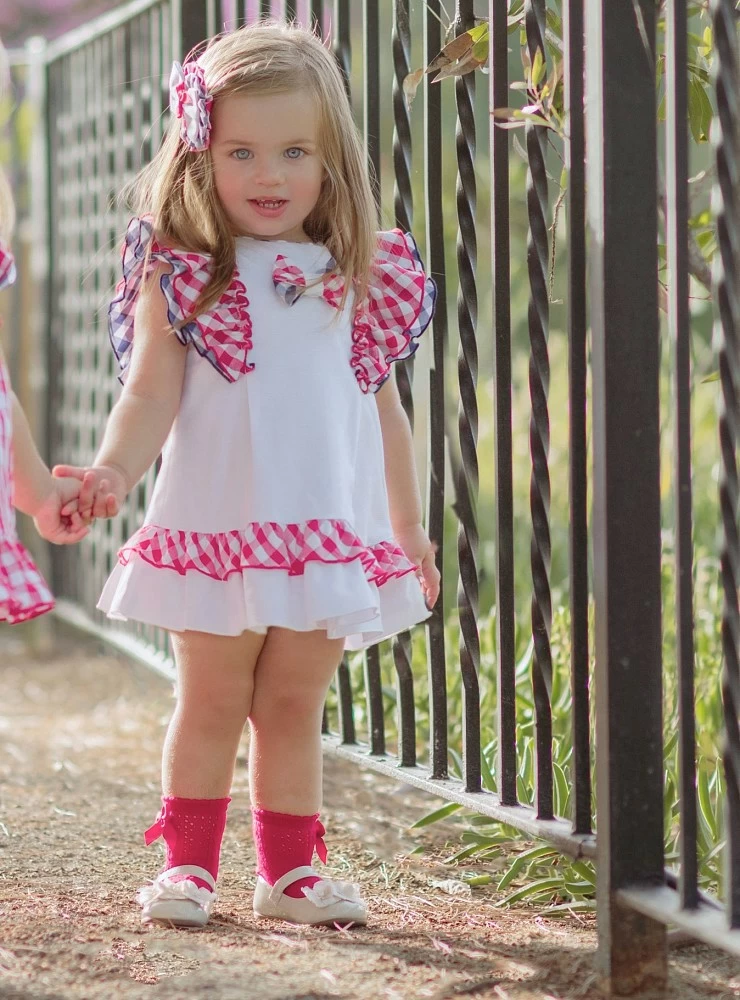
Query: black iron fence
x,y
106,96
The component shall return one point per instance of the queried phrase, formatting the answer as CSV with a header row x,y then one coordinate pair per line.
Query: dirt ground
x,y
80,735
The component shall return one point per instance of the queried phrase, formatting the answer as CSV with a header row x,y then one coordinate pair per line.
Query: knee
x,y
285,708
216,707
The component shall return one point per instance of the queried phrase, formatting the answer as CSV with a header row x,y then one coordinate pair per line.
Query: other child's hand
x,y
102,490
51,523
419,550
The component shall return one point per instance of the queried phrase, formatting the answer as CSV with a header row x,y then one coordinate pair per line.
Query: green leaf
x,y
539,69
436,816
532,889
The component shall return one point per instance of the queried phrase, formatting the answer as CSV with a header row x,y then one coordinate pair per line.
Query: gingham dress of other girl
x,y
23,592
270,507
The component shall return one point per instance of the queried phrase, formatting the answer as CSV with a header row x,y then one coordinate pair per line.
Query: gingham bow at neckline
x,y
291,282
7,267
191,103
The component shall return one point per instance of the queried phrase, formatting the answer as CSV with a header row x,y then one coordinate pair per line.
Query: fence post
x,y
622,219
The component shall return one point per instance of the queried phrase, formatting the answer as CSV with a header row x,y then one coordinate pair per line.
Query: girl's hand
x,y
51,523
419,550
101,491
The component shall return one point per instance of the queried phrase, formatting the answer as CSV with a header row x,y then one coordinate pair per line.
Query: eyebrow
x,y
289,142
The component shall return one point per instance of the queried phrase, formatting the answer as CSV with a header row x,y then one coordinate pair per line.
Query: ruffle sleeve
x,y
398,309
223,335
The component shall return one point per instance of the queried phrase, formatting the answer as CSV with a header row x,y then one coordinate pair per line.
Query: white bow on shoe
x,y
326,903
182,903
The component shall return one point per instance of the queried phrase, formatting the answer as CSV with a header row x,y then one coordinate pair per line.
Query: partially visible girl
x,y
25,482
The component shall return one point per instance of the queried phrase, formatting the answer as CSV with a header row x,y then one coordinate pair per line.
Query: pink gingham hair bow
x,y
291,283
191,103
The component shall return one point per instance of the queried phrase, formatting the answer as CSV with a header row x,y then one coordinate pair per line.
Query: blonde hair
x,y
177,188
7,208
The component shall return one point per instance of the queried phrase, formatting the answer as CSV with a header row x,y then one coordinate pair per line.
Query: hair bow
x,y
7,267
191,103
291,283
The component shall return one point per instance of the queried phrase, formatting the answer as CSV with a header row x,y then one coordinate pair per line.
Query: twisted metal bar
x,y
403,202
539,427
727,332
506,771
467,486
404,210
436,657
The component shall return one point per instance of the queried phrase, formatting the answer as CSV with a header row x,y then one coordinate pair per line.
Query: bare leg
x,y
215,677
291,679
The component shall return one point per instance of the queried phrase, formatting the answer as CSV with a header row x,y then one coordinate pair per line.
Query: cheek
x,y
310,182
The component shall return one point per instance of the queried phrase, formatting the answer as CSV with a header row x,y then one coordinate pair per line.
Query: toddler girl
x,y
256,323
25,482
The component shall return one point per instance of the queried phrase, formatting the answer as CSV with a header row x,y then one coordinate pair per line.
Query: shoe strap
x,y
305,871
189,870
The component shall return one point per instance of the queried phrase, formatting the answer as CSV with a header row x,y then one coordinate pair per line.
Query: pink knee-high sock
x,y
192,830
284,842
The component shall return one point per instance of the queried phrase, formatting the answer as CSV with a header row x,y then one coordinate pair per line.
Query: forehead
x,y
265,117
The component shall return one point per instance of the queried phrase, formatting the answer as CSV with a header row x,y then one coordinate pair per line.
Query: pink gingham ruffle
x,y
399,308
223,335
265,545
23,591
7,267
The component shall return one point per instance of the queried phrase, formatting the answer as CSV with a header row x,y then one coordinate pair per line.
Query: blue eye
x,y
294,153
241,154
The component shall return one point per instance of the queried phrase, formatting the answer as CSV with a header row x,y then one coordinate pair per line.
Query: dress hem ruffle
x,y
265,545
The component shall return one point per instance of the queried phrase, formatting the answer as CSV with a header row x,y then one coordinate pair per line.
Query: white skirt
x,y
337,598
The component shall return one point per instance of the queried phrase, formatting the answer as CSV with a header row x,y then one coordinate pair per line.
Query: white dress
x,y
270,508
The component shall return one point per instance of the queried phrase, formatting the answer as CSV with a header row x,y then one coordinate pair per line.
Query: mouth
x,y
268,207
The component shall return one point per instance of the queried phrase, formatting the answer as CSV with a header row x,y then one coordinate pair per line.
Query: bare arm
x,y
402,483
35,492
32,481
142,418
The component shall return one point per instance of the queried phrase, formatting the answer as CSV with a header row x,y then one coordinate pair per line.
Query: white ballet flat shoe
x,y
182,903
325,904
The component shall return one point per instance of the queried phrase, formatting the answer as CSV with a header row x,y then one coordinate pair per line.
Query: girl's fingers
x,y
68,472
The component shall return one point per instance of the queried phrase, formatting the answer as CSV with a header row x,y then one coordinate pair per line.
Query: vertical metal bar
x,y
371,94
342,39
344,703
622,170
316,14
404,211
193,25
436,483
265,8
467,487
290,10
539,425
677,228
575,153
374,694
500,253
727,333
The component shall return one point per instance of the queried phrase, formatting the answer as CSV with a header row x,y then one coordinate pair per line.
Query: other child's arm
x,y
35,492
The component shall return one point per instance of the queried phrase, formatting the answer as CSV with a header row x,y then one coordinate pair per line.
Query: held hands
x,y
50,519
420,551
100,491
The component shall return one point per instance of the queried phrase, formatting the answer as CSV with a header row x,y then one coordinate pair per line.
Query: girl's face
x,y
267,168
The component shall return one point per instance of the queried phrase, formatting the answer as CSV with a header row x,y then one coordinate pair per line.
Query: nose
x,y
270,173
